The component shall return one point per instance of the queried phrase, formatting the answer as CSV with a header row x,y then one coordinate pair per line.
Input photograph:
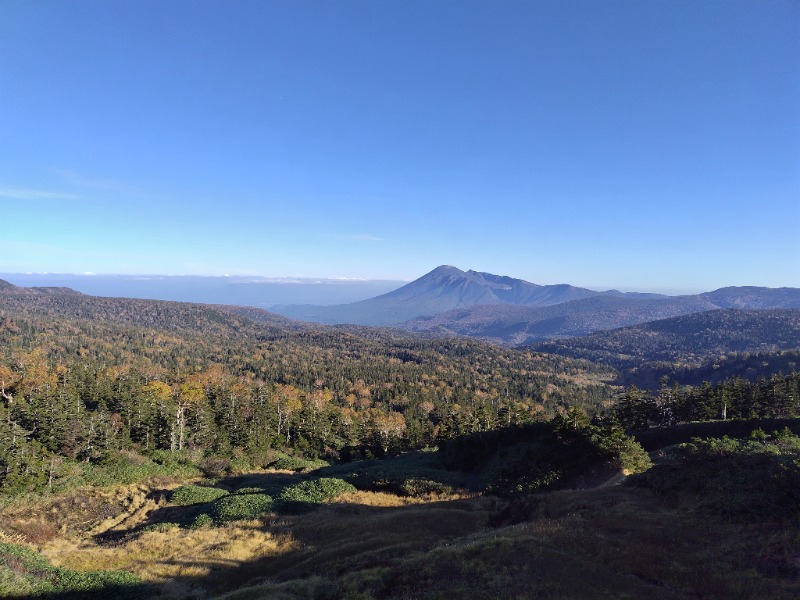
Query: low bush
x,y
543,456
160,527
250,490
195,494
201,521
316,491
216,466
414,474
753,478
294,463
238,507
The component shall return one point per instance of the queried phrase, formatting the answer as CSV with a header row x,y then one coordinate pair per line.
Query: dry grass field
x,y
626,538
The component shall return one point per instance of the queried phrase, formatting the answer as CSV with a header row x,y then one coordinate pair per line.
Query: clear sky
x,y
618,143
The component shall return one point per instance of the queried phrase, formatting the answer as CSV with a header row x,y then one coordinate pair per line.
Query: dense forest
x,y
707,346
85,379
734,398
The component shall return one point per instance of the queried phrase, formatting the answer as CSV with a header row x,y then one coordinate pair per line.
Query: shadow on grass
x,y
329,541
606,542
417,474
129,592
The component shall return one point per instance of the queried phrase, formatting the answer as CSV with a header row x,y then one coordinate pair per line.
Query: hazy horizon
x,y
264,291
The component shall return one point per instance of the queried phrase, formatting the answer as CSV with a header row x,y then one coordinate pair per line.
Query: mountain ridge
x,y
510,311
444,288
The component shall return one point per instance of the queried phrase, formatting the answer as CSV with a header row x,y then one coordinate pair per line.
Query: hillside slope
x,y
691,349
156,314
520,325
517,325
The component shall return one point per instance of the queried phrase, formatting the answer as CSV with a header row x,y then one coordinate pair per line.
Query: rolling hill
x,y
156,314
707,346
518,325
525,324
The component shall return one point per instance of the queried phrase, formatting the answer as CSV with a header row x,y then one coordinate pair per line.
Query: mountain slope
x,y
673,347
443,289
156,314
516,325
750,297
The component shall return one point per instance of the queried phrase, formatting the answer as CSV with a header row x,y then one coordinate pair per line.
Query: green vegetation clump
x,y
294,463
160,527
202,521
755,478
250,490
316,491
240,507
416,474
24,572
568,451
196,494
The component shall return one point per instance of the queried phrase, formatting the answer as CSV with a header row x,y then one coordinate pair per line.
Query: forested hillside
x,y
776,397
85,378
516,325
707,346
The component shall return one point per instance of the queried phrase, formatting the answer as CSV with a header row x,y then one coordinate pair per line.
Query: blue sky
x,y
640,145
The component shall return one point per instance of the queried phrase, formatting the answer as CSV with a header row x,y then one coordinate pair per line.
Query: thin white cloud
x,y
33,194
363,237
88,182
108,185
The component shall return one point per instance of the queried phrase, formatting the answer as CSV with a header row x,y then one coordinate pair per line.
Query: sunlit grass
x,y
160,556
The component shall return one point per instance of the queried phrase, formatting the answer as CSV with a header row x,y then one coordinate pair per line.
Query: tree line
x,y
777,396
85,390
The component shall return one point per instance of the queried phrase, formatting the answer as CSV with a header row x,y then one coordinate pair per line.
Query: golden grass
x,y
608,542
377,499
159,556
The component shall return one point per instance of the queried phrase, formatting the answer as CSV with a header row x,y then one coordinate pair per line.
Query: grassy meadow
x,y
689,526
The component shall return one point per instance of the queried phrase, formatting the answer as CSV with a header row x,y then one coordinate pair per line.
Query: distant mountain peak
x,y
445,270
444,288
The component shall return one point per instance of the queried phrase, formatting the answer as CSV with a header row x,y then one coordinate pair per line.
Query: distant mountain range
x,y
449,301
242,290
518,325
443,289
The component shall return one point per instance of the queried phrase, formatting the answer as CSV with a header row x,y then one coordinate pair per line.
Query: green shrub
x,y
216,466
316,491
543,456
238,507
195,494
756,478
201,521
250,490
161,527
414,474
293,463
423,487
